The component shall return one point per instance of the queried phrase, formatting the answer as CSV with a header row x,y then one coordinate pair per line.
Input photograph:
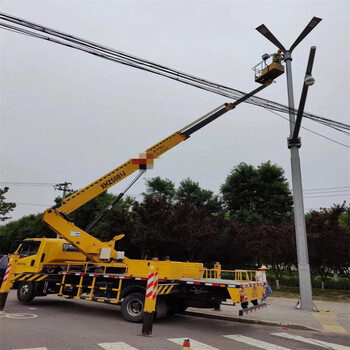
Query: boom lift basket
x,y
265,73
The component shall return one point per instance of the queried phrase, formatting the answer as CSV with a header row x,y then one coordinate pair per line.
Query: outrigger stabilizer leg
x,y
7,281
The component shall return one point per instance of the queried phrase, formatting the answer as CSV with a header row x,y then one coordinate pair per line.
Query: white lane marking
x,y
18,316
116,346
255,342
194,345
312,341
32,349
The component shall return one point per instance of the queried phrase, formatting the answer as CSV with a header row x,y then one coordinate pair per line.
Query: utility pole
x,y
65,188
294,143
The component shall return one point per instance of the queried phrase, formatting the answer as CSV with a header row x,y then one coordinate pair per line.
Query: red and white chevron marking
x,y
155,285
7,272
150,282
256,309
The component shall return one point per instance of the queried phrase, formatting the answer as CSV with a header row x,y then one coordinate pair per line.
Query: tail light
x,y
244,298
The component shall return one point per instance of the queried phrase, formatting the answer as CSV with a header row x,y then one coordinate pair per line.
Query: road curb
x,y
246,320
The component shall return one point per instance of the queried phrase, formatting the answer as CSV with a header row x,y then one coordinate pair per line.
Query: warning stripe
x,y
41,278
29,277
7,272
223,285
256,309
150,282
161,289
155,286
165,289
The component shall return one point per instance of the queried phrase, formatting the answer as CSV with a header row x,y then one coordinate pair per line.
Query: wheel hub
x,y
134,307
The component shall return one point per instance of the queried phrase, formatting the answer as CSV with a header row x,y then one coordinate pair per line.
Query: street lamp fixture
x,y
309,80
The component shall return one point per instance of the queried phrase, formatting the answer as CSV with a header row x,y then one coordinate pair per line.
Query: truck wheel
x,y
132,307
180,307
176,307
26,292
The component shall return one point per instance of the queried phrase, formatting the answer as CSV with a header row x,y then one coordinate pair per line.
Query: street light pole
x,y
299,216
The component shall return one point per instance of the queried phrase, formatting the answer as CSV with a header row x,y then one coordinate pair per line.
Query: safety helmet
x,y
262,267
279,50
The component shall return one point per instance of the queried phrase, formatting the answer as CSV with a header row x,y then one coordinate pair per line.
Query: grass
x,y
338,295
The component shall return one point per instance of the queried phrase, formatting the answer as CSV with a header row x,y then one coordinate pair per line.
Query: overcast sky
x,y
70,116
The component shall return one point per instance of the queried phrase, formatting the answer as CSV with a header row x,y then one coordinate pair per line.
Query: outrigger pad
x,y
251,309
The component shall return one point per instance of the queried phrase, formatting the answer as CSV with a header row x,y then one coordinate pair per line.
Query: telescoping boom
x,y
94,249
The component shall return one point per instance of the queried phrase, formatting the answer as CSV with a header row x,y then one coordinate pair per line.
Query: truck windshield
x,y
29,248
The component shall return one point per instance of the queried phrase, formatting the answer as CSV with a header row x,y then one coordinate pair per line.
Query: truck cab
x,y
46,255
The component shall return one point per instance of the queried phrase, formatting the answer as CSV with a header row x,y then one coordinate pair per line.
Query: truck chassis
x,y
173,295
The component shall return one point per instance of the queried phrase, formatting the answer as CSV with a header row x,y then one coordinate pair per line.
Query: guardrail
x,y
237,275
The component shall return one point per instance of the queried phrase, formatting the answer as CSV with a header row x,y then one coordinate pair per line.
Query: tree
x,y
121,222
274,245
236,251
152,225
344,218
5,207
257,195
197,234
328,242
190,192
26,227
159,188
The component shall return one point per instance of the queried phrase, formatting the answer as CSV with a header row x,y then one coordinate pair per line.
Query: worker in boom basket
x,y
277,57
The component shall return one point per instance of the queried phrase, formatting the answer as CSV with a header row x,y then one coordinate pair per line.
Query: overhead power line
x,y
136,62
332,195
327,188
314,132
34,204
35,184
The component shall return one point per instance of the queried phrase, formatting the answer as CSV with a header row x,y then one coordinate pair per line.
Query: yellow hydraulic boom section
x,y
91,191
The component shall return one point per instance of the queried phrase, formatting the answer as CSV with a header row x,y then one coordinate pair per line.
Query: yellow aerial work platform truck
x,y
82,267
40,272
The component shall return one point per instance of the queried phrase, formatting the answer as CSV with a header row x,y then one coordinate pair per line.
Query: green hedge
x,y
293,281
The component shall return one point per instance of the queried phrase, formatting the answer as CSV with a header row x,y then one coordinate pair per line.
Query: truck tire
x,y
176,307
26,292
132,307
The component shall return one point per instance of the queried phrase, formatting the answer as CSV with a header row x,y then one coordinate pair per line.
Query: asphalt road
x,y
54,323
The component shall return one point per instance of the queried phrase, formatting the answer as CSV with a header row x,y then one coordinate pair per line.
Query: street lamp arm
x,y
294,140
263,30
312,24
310,62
